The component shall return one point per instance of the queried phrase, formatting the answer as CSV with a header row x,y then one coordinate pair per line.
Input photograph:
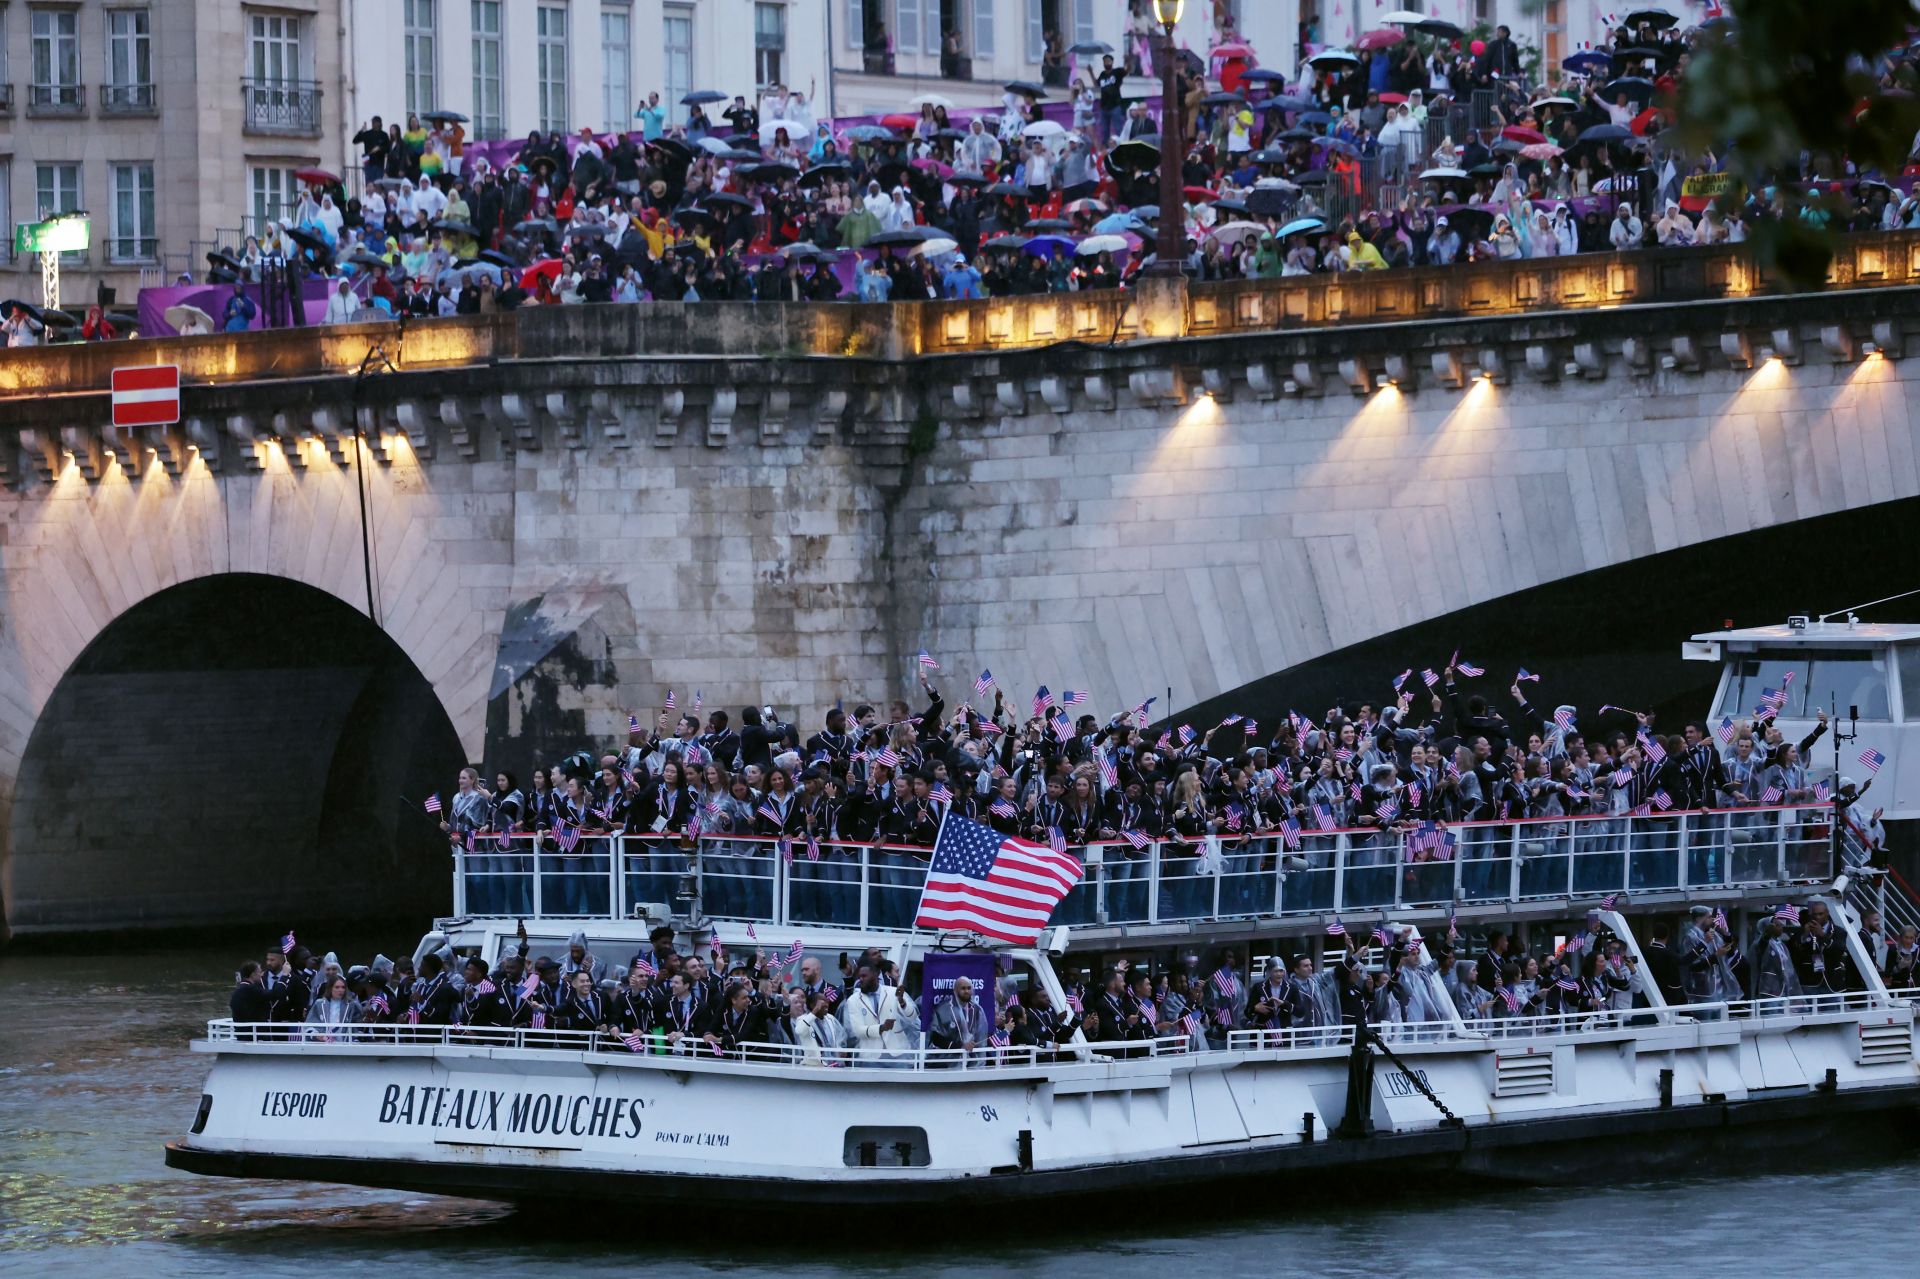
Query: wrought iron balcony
x,y
287,108
56,99
129,99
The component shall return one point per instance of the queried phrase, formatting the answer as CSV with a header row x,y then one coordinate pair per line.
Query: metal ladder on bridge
x,y
1889,894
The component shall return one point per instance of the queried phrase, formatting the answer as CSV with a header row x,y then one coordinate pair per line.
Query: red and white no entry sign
x,y
146,396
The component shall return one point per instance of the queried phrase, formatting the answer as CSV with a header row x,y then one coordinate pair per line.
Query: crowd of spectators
x,y
1423,151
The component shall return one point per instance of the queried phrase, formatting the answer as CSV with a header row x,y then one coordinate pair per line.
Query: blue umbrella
x,y
1315,117
1049,246
1639,88
1292,103
1147,212
1114,223
870,133
1604,133
1263,75
1588,61
1336,144
1299,225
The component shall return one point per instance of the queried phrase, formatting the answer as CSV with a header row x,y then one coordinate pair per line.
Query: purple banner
x,y
212,298
939,971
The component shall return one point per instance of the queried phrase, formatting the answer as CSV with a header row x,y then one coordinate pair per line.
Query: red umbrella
x,y
549,268
899,121
1385,38
1643,121
1199,193
1393,99
1521,133
319,177
1232,49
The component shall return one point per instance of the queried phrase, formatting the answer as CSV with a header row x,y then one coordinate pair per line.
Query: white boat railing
x,y
1747,1013
875,887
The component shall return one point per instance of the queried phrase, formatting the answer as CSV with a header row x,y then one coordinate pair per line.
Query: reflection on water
x,y
95,1076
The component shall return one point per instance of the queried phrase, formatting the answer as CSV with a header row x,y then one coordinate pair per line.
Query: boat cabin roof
x,y
1815,634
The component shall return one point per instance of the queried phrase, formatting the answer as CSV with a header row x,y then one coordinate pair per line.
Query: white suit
x,y
866,1013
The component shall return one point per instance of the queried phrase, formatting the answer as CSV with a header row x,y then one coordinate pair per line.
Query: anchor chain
x,y
1413,1078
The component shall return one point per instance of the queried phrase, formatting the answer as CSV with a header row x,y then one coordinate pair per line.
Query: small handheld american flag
x,y
286,943
939,794
1771,795
635,1041
1789,913
795,951
1720,919
1402,678
981,685
433,803
1525,675
1134,837
1194,1025
1109,774
1042,701
887,757
671,704
1609,901
927,663
1430,679
1872,759
1290,833
645,966
998,1039
1073,696
633,722
1662,801
1725,731
1001,808
1224,983
1186,734
1336,928
1567,983
1469,669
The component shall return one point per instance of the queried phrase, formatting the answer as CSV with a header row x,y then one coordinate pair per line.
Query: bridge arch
x,y
229,750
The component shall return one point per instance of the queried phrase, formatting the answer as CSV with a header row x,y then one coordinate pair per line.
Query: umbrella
x,y
1657,18
1043,129
1114,223
961,178
1028,87
1603,133
124,320
1384,38
549,268
738,155
1393,99
179,315
928,164
686,217
1049,246
1312,178
700,97
949,134
1338,145
1301,226
1269,202
1090,48
392,183
1403,18
729,199
1049,224
905,235
308,240
1540,151
498,258
55,319
587,231
455,228
1136,153
801,251
672,146
1007,188
870,133
360,257
713,145
1291,103
1444,175
1440,27
1588,62
1223,100
1147,212
223,258
900,120
1007,242
1285,135
772,171
1086,204
1233,231
1521,133
1639,53
1334,57
1316,117
1263,75
318,177
1102,244
934,248
1198,195
1639,88
1507,146
1554,101
445,117
931,100
821,172
1230,206
1471,222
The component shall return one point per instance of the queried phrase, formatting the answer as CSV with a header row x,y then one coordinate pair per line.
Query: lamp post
x,y
1170,244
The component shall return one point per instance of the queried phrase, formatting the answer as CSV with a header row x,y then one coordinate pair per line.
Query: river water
x,y
95,1075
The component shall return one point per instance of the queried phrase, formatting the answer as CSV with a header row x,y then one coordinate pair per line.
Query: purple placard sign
x,y
938,972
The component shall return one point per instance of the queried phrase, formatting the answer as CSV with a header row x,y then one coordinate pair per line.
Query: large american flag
x,y
993,884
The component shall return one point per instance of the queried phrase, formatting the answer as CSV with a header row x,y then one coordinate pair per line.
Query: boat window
x,y
1847,676
1910,680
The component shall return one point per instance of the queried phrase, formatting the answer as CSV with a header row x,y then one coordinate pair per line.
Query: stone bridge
x,y
236,654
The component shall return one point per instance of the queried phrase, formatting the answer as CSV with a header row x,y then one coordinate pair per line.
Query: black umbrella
x,y
1285,135
1604,133
688,216
738,154
1027,87
951,135
498,258
534,226
1232,206
729,199
906,235
1471,223
1223,100
1136,153
820,173
445,117
1638,53
1049,224
123,319
742,140
308,240
1658,19
1439,27
961,178
455,228
1007,242
224,258
672,146
1007,188
587,231
774,171
58,319
6,308
1269,202
360,257
1639,88
1090,48
700,97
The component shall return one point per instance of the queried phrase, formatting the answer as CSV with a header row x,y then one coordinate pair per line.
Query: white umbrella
x,y
934,248
931,100
1043,129
796,132
1403,18
1443,175
1101,244
1233,231
1347,56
